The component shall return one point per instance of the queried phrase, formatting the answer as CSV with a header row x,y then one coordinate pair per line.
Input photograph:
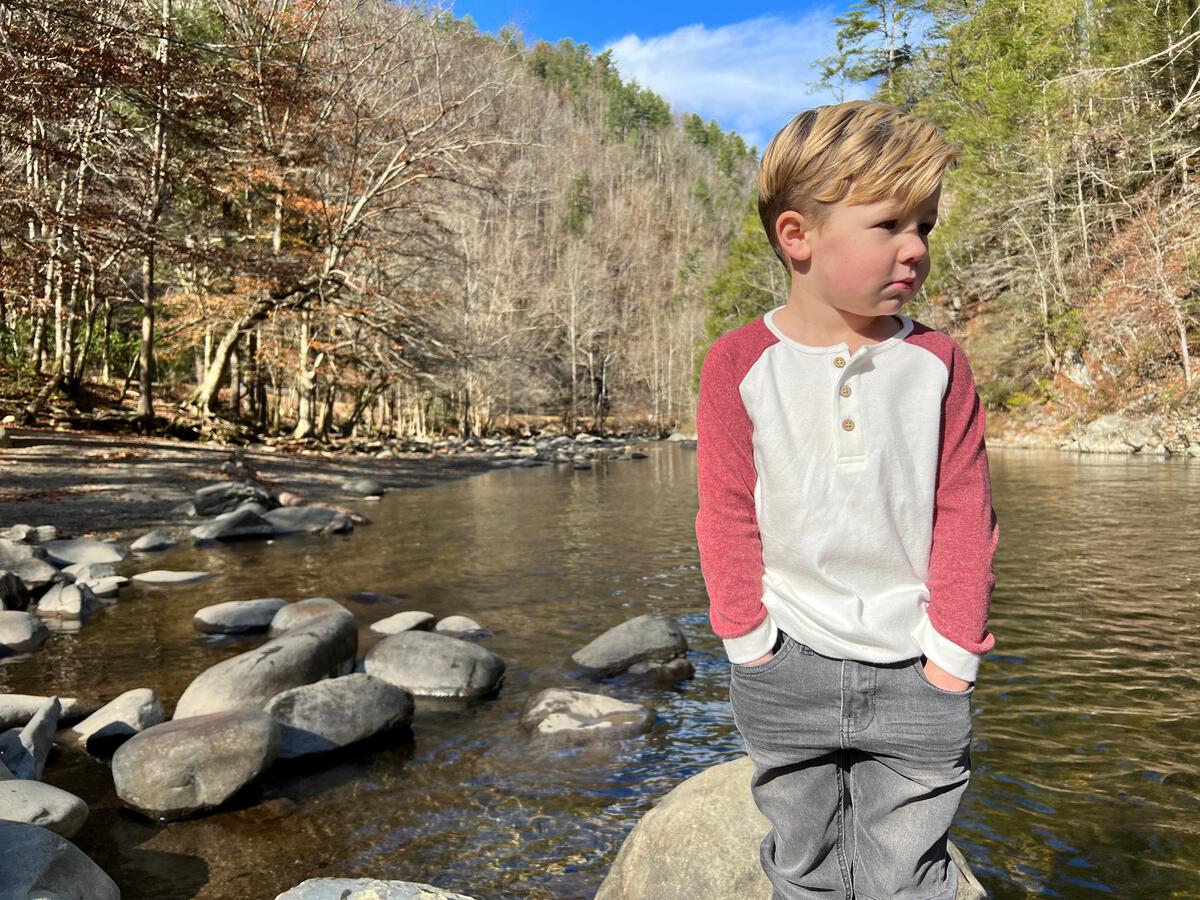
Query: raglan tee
x,y
845,497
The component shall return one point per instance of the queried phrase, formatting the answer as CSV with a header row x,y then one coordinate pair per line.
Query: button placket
x,y
848,427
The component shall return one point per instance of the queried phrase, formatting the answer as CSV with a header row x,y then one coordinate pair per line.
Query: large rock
x,y
132,712
315,519
410,620
226,496
42,804
435,665
74,602
36,573
366,889
238,616
337,712
81,550
13,592
37,863
12,553
243,522
293,614
702,840
181,768
1118,433
641,639
24,751
20,632
561,714
321,648
17,709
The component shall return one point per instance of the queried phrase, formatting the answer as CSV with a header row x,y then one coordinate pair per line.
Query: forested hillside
x,y
344,216
1067,257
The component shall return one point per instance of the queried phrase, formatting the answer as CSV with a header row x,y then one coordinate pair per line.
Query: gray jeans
x,y
859,767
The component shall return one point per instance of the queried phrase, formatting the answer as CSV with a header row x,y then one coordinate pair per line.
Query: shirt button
x,y
845,391
839,362
848,424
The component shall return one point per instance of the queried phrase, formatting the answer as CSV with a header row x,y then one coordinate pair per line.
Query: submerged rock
x,y
36,862
641,639
337,712
435,665
43,805
702,840
579,716
366,889
185,767
321,648
238,616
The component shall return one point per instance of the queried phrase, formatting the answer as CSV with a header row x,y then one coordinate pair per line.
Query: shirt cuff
x,y
751,646
954,659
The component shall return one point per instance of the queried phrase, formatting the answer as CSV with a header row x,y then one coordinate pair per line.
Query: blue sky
x,y
747,65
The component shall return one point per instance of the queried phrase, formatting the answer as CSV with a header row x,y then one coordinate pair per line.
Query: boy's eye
x,y
889,224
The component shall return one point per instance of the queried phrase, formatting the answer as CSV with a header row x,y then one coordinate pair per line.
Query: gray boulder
x,y
37,864
641,639
67,601
152,542
410,620
364,487
12,553
238,616
314,519
90,571
37,573
244,522
24,751
366,889
82,550
293,614
337,712
226,496
20,632
702,840
16,710
169,578
132,712
321,648
42,804
435,665
561,714
13,592
185,767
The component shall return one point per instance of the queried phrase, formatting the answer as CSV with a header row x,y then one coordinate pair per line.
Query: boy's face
x,y
866,260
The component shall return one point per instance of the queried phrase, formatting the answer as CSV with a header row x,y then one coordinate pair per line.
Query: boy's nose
x,y
914,249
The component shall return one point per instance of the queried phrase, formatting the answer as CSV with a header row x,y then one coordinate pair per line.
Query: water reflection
x,y
1085,779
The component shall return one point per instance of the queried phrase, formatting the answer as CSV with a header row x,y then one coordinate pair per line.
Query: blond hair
x,y
862,151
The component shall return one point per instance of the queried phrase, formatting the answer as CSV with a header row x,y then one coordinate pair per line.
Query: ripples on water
x,y
1085,772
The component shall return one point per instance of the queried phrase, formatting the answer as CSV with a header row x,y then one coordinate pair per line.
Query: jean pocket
x,y
918,669
784,649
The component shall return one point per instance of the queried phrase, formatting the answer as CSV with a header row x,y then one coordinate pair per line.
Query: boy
x,y
846,530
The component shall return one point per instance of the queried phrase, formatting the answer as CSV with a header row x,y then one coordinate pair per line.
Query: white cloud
x,y
750,76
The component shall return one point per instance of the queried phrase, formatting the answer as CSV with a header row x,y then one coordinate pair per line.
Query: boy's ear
x,y
791,233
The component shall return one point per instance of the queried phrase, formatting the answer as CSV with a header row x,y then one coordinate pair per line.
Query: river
x,y
1086,775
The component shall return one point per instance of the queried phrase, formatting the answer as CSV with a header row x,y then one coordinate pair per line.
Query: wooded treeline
x,y
1067,256
346,216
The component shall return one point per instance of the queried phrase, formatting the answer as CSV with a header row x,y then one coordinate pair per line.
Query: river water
x,y
1086,775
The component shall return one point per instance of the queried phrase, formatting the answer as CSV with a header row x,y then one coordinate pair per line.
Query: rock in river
x,y
435,665
152,542
364,487
243,522
409,620
168,578
460,626
576,715
702,840
314,519
24,752
320,648
16,710
337,712
293,614
128,714
81,550
20,632
226,496
42,804
366,889
67,601
641,639
13,592
238,616
36,862
187,766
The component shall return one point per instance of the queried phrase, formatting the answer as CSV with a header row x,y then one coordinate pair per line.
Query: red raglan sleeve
x,y
965,533
727,532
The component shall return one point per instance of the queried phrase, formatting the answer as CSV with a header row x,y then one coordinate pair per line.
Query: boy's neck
x,y
818,324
